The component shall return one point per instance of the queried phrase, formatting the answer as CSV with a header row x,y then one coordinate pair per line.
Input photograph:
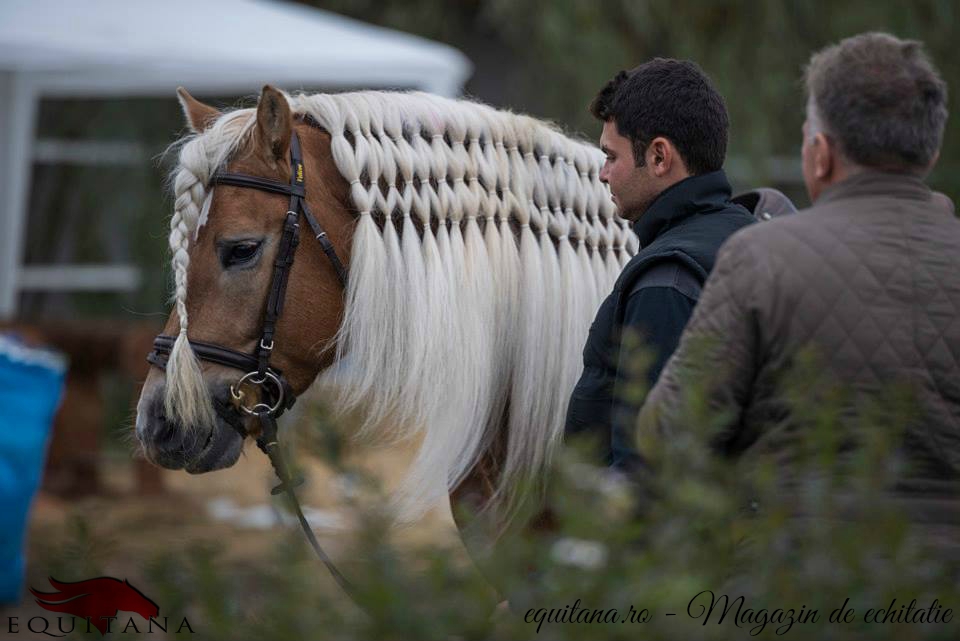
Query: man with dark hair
x,y
865,283
665,138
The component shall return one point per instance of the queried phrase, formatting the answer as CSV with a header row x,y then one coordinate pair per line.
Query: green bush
x,y
826,538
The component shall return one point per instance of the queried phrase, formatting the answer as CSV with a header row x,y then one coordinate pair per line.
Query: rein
x,y
276,395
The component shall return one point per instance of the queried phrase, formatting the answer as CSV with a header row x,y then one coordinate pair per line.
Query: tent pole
x,y
18,106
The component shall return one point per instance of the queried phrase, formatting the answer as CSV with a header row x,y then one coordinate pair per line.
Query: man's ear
x,y
825,153
199,115
274,123
663,158
933,163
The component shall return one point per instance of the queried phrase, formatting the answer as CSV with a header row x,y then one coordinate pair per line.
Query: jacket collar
x,y
870,182
681,200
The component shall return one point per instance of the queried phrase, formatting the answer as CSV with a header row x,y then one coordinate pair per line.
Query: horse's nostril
x,y
160,434
166,435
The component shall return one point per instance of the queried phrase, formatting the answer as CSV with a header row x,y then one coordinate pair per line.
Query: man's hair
x,y
880,98
669,98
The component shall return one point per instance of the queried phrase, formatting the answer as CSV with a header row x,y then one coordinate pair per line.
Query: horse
x,y
477,243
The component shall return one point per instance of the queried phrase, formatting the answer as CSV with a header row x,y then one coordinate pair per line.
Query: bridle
x,y
275,394
257,365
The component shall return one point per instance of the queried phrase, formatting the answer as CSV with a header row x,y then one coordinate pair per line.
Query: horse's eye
x,y
239,254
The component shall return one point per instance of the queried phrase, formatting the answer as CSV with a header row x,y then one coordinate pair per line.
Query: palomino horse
x,y
478,245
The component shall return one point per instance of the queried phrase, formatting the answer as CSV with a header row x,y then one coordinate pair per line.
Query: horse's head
x,y
225,239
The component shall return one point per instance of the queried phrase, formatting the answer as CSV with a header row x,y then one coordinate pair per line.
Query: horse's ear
x,y
199,115
274,122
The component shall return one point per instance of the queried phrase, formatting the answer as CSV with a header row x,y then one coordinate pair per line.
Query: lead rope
x,y
268,444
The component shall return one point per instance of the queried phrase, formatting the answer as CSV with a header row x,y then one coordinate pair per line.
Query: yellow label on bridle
x,y
299,173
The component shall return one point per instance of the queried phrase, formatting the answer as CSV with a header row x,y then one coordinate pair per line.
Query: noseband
x,y
276,395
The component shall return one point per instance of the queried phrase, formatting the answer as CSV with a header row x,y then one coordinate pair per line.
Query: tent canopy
x,y
103,48
128,47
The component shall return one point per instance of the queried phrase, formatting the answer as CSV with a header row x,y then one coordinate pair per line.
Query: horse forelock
x,y
187,399
483,246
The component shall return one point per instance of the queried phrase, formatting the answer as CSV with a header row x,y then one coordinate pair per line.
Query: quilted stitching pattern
x,y
869,282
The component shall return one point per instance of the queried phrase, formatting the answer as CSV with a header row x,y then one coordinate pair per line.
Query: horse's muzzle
x,y
169,444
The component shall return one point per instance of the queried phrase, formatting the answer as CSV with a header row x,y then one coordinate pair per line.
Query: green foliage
x,y
80,557
550,58
812,532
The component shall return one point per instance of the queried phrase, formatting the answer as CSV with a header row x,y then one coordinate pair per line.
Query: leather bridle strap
x,y
163,344
260,359
298,204
289,239
257,365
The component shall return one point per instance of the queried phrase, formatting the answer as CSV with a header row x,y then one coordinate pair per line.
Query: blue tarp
x,y
31,383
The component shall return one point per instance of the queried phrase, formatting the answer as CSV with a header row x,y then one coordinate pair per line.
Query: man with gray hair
x,y
866,282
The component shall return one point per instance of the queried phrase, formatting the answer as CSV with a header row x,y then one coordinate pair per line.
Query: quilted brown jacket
x,y
867,282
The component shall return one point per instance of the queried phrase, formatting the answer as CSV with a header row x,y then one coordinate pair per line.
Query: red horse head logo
x,y
96,599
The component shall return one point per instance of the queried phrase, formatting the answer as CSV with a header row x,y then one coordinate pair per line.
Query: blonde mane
x,y
483,246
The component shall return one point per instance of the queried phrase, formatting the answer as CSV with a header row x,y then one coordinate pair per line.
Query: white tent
x,y
98,48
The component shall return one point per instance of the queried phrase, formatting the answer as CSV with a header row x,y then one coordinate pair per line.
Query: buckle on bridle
x,y
254,378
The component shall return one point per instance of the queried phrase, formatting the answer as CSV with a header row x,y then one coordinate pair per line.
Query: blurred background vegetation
x,y
549,58
546,58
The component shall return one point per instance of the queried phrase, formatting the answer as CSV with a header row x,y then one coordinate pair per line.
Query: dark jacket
x,y
653,298
866,284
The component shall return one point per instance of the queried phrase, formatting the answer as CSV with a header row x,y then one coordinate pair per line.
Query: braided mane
x,y
483,245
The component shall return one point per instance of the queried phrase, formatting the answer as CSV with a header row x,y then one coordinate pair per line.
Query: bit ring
x,y
255,379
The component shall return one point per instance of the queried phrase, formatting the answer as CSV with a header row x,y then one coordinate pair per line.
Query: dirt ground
x,y
230,508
